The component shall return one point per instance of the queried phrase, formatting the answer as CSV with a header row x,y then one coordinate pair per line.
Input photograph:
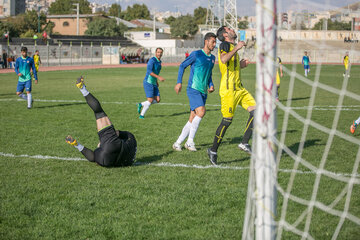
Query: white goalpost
x,y
261,200
265,218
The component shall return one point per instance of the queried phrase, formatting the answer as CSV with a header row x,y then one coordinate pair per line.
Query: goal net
x,y
304,171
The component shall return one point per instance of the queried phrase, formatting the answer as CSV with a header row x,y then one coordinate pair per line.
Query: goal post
x,y
260,216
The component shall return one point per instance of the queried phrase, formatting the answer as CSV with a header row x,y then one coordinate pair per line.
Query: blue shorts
x,y
196,98
306,66
24,85
151,90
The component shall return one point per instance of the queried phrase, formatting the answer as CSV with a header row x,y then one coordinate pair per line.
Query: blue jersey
x,y
23,66
201,70
305,60
153,66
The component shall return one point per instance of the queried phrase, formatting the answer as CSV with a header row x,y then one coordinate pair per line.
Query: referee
x,y
116,148
232,92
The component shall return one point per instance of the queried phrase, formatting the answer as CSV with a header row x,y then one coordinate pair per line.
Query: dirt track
x,y
57,68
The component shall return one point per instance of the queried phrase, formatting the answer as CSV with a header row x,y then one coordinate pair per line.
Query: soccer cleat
x,y
212,156
245,147
141,117
190,147
176,147
70,140
353,127
139,107
80,82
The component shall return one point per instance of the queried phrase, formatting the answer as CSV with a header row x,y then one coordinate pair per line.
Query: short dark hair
x,y
159,48
23,49
220,33
209,35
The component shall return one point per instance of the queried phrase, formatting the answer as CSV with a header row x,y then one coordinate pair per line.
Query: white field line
x,y
167,164
319,108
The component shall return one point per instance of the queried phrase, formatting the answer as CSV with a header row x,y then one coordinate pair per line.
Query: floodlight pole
x,y
77,17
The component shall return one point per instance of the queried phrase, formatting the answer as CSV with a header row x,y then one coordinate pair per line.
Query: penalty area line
x,y
167,164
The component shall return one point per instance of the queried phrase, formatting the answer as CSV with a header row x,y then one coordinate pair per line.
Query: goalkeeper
x,y
232,92
116,148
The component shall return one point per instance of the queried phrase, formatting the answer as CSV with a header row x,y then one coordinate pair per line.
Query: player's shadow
x,y
150,159
61,105
246,158
184,113
308,143
294,99
7,94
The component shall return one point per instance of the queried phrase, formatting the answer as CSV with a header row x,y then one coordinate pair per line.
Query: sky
x,y
244,7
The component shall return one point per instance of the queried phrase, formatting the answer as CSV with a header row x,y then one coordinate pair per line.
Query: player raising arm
x,y
200,82
151,84
232,92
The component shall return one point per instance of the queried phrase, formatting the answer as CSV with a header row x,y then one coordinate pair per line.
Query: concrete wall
x,y
311,34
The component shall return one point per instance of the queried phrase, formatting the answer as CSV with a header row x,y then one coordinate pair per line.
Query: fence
x,y
67,55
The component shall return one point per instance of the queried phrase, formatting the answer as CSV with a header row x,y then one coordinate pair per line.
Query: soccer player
x,y
354,125
306,61
346,62
232,92
116,148
151,84
37,60
202,63
22,68
279,67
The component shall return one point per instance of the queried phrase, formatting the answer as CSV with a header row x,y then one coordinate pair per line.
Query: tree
x,y
66,7
25,25
105,27
137,11
169,20
184,27
115,10
243,24
332,25
200,15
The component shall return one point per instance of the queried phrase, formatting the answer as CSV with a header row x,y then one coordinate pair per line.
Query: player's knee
x,y
226,121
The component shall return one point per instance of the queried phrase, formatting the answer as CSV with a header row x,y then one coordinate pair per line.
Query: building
x,y
12,7
160,27
39,5
67,24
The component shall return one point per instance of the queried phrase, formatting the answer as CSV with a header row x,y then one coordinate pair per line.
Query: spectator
x,y
187,54
5,59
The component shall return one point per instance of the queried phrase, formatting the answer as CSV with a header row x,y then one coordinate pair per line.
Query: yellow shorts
x,y
230,100
37,67
277,78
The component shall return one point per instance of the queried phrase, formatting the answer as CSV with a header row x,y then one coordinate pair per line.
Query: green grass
x,y
57,199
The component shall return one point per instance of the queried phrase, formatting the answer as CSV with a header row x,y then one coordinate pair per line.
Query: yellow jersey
x,y
36,59
346,61
230,71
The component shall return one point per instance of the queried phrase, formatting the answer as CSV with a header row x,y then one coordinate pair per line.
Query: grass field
x,y
48,191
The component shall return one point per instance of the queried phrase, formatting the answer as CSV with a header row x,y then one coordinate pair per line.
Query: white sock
x,y
84,91
357,122
79,147
23,96
305,72
194,127
29,99
184,133
146,105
